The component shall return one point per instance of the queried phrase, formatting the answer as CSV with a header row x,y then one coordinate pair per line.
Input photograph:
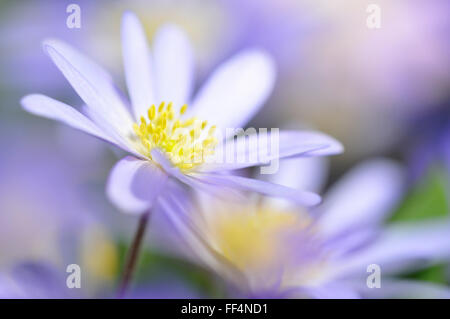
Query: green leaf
x,y
435,274
428,199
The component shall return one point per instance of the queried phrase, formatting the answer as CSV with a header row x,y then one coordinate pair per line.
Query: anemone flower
x,y
274,249
163,137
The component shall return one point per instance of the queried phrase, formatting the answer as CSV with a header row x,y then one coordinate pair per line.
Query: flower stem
x,y
133,255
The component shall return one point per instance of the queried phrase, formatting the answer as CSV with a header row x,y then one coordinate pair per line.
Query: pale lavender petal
x,y
261,148
137,63
349,243
266,188
400,247
189,233
182,219
167,166
308,173
47,107
305,173
236,90
93,94
195,239
135,184
363,197
115,110
161,235
174,66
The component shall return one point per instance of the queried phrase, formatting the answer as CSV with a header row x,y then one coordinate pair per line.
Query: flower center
x,y
186,142
252,240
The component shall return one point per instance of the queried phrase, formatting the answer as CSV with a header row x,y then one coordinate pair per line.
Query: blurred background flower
x,y
271,248
382,92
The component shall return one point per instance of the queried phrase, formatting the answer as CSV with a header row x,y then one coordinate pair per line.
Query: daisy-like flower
x,y
163,137
271,248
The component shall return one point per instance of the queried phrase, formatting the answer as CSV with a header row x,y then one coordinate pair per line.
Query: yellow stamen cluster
x,y
186,142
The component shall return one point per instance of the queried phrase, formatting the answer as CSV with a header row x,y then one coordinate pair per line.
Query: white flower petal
x,y
259,149
186,223
401,246
305,173
254,185
135,184
137,64
190,181
97,76
236,90
91,87
308,173
174,66
45,106
363,197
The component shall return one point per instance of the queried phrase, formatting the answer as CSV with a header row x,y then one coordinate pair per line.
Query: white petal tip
x,y
25,101
29,102
51,44
331,145
128,14
338,147
310,199
170,29
265,58
129,18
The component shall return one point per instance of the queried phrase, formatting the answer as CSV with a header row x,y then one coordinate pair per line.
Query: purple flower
x,y
272,248
162,136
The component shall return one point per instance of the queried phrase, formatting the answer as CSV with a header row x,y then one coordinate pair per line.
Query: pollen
x,y
186,142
